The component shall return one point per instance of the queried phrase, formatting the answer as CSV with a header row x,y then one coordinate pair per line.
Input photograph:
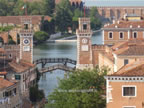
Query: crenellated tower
x,y
84,47
26,40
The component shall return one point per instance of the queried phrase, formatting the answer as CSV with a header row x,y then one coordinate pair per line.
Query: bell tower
x,y
84,50
26,40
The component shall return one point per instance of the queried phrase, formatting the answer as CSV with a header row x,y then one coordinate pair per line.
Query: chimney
x,y
17,60
113,21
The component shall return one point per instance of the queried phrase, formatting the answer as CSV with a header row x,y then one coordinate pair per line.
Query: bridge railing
x,y
55,60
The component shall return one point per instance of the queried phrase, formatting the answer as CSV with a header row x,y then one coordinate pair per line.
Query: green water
x,y
54,50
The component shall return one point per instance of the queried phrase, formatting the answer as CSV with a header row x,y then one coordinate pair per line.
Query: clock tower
x,y
26,40
84,50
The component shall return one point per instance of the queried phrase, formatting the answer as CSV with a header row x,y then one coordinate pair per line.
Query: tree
x,y
82,89
35,8
36,95
95,21
77,13
10,40
4,7
41,36
48,26
63,18
17,8
49,6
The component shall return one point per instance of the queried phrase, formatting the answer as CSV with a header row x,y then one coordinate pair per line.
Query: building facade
x,y
17,63
9,94
113,57
131,27
125,88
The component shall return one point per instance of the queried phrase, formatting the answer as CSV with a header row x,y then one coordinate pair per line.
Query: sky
x,y
114,2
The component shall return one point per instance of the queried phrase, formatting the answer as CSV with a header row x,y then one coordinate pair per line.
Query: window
x,y
129,107
26,26
135,35
129,91
10,55
110,35
17,77
125,61
84,26
6,94
121,35
14,90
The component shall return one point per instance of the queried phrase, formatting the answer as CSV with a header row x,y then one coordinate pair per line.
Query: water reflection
x,y
54,50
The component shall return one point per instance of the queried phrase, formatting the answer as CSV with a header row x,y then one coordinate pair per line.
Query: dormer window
x,y
110,35
121,35
84,26
135,35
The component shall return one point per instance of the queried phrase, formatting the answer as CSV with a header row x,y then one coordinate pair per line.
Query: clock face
x,y
26,41
84,40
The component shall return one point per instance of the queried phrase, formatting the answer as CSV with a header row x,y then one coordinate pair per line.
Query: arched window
x,y
110,35
121,35
135,35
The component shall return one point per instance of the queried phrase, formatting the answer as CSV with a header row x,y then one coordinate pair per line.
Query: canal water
x,y
49,81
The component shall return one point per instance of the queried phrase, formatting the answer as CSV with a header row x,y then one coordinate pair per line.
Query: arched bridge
x,y
61,63
44,61
55,67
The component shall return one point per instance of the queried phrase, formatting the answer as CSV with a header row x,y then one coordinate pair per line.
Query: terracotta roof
x,y
21,66
129,48
121,50
126,24
108,55
36,19
134,69
5,83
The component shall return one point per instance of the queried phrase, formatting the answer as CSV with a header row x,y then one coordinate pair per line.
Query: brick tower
x,y
84,50
26,40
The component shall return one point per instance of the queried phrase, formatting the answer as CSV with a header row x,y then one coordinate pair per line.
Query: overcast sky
x,y
114,2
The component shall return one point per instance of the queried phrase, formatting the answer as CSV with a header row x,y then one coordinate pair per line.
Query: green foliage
x,y
49,6
76,14
41,36
6,29
10,40
95,21
63,18
48,26
13,7
36,95
35,8
82,89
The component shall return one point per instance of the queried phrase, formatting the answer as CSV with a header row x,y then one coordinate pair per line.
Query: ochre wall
x,y
118,101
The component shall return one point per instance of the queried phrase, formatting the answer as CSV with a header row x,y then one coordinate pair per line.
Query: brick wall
x,y
118,12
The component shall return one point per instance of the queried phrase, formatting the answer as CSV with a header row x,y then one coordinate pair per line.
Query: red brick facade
x,y
116,13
